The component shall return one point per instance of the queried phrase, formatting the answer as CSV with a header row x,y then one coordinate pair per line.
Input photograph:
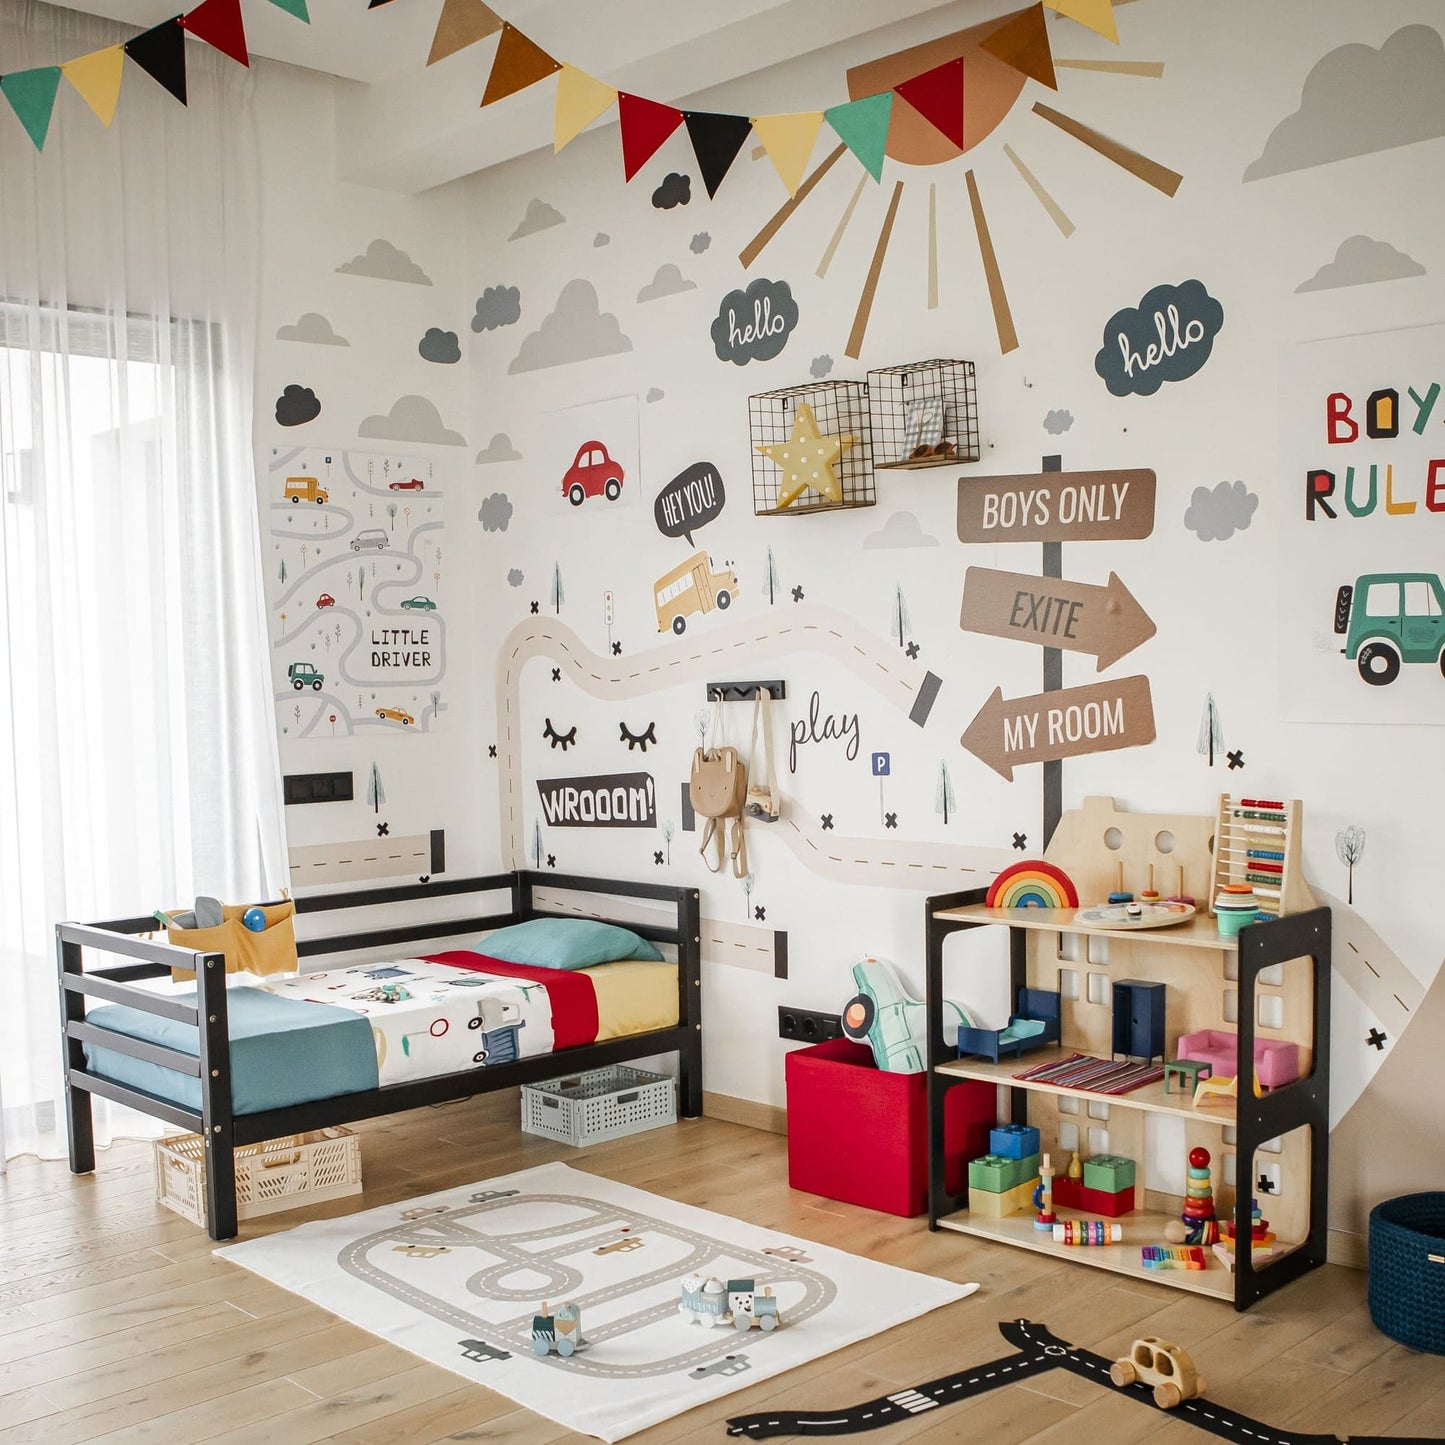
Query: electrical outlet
x,y
804,1027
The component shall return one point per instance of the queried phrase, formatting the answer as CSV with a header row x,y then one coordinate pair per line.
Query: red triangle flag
x,y
645,125
218,23
937,95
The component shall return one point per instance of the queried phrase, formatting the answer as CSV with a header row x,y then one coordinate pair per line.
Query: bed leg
x,y
690,1063
221,1184
79,1121
216,1104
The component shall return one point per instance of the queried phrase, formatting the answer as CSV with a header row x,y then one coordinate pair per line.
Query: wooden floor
x,y
117,1324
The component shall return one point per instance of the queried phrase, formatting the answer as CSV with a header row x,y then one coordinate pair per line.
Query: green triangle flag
x,y
862,126
296,8
31,94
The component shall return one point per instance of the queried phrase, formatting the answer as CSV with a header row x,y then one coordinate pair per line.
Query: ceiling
x,y
403,127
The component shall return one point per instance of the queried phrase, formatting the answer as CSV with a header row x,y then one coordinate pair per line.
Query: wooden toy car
x,y
561,1332
1152,1361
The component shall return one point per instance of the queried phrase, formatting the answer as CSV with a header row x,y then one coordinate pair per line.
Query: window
x,y
1420,599
1382,599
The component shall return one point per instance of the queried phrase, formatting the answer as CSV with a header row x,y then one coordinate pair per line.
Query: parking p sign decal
x,y
881,765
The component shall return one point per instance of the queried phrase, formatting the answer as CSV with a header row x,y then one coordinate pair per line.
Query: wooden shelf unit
x,y
1191,959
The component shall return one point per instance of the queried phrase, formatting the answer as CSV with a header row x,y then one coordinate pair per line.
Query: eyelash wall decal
x,y
559,740
639,740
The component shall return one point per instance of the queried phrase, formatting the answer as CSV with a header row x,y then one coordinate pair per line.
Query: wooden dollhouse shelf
x,y
1143,1226
1198,932
1150,1097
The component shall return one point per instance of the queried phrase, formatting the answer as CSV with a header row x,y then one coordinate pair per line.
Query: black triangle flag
x,y
161,53
716,141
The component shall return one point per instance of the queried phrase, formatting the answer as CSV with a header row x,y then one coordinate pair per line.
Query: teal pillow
x,y
565,943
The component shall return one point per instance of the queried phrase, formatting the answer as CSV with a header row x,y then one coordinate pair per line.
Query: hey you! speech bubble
x,y
754,325
1167,337
692,499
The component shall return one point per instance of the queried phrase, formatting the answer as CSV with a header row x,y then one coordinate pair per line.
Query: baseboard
x,y
770,1117
1344,1247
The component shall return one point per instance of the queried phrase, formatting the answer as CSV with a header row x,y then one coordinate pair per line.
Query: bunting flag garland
x,y
161,53
219,24
462,23
788,140
31,94
519,62
645,124
716,141
97,79
580,100
862,126
1023,44
296,8
937,95
1095,15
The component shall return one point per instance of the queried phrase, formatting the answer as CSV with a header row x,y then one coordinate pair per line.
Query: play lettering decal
x,y
754,325
690,500
612,800
1167,337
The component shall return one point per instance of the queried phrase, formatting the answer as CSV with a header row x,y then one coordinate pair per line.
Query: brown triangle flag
x,y
462,23
1022,42
519,63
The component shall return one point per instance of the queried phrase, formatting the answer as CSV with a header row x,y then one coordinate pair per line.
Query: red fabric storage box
x,y
858,1134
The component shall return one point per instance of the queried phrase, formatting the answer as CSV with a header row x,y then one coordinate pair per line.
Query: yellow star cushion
x,y
807,458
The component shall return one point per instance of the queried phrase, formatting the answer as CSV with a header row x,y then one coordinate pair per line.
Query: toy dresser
x,y
860,1135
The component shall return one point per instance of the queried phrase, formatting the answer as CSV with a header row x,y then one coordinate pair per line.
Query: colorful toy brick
x,y
1074,1194
997,1174
1013,1141
1109,1172
991,1205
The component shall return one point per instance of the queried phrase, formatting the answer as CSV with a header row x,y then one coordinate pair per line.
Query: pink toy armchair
x,y
1276,1062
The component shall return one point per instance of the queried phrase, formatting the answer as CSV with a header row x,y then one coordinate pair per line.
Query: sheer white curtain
x,y
138,758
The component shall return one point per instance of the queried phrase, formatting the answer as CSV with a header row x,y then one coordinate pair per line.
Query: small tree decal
x,y
391,514
748,895
900,623
282,573
700,720
537,845
558,596
774,585
669,830
1211,730
361,582
375,793
943,800
1350,848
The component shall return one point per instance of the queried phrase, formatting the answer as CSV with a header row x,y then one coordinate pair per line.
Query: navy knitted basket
x,y
1407,1270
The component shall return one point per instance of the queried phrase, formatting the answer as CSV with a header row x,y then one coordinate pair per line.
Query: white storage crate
x,y
599,1104
282,1173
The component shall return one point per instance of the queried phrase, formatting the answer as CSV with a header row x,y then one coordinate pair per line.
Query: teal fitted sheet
x,y
284,1051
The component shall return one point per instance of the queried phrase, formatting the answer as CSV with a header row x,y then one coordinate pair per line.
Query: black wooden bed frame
x,y
223,1131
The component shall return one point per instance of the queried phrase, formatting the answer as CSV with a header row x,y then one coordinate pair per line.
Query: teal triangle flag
x,y
294,7
862,126
31,94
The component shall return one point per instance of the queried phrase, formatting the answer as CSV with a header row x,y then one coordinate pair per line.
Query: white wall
x,y
1230,76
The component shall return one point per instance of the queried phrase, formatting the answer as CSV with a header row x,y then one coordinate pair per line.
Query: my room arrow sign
x,y
1074,616
1067,723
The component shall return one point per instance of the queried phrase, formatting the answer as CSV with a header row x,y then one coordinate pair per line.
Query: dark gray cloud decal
x,y
440,346
675,190
754,325
297,405
1168,336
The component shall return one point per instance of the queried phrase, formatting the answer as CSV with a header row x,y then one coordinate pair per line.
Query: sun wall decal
x,y
996,59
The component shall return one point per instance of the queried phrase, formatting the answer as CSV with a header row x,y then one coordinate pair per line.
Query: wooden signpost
x,y
1053,507
1048,726
1106,622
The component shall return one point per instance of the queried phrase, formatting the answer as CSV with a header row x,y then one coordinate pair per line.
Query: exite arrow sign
x,y
1056,507
1064,724
1074,616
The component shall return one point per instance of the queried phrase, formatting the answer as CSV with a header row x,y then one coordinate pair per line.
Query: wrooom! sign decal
x,y
611,800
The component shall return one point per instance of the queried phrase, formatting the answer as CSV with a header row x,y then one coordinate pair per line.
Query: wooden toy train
x,y
561,1332
737,1303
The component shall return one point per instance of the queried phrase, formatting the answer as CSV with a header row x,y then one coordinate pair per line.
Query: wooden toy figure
x,y
1152,1361
1044,1198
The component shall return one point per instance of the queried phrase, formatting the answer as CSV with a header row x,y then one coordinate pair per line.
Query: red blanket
x,y
573,999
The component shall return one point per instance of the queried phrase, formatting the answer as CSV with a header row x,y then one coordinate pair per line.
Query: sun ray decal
x,y
870,284
1008,338
1054,209
842,226
1148,171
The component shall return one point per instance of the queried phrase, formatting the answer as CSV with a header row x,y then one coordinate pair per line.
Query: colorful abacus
x,y
1172,1256
1087,1231
1200,1222
1257,844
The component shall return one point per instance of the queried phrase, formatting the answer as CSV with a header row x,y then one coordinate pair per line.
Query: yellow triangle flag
x,y
1095,15
580,100
788,140
97,77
